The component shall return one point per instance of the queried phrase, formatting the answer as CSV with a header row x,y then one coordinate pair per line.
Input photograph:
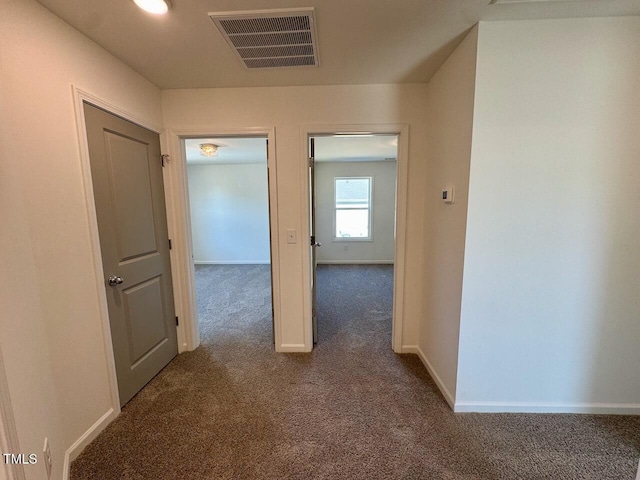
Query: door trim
x,y
402,179
80,96
8,434
177,196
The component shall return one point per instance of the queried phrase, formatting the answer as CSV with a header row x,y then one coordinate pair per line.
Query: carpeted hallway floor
x,y
352,409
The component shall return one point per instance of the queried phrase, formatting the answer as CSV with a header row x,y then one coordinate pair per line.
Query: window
x,y
353,208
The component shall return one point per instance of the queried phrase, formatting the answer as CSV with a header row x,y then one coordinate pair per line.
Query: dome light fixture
x,y
157,7
208,149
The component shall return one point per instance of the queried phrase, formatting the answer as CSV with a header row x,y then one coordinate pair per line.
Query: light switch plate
x,y
448,195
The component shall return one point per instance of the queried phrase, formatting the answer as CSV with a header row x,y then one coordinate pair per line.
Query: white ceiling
x,y
360,41
356,149
235,150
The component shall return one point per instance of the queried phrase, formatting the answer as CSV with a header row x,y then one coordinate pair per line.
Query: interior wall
x,y
450,124
381,247
51,334
550,299
229,213
288,109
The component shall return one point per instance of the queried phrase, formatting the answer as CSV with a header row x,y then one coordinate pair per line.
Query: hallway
x,y
352,409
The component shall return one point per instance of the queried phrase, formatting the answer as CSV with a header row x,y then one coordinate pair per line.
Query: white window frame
x,y
335,210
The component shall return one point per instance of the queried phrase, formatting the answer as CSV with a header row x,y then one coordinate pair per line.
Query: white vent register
x,y
271,38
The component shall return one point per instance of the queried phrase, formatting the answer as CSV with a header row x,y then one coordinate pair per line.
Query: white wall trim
x,y
355,262
232,262
402,179
432,372
543,407
178,211
85,439
521,407
8,433
80,96
179,224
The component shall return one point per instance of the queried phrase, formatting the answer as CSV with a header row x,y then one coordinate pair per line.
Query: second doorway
x,y
353,185
228,182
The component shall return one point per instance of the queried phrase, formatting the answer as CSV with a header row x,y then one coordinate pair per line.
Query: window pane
x,y
352,192
352,223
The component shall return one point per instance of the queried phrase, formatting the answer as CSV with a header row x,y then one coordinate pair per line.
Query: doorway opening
x,y
353,191
228,191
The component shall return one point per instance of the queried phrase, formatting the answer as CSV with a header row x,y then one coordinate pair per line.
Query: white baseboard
x,y
436,378
292,348
534,407
232,262
355,262
85,439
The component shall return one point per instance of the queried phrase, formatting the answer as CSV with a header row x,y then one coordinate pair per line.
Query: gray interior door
x,y
126,170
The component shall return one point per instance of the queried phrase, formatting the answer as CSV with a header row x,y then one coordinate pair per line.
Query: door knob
x,y
317,244
114,280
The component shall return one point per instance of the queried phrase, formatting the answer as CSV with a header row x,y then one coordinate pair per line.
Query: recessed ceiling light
x,y
158,7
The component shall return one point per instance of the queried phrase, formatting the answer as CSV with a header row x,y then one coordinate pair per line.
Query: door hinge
x,y
177,322
170,246
311,163
165,159
313,240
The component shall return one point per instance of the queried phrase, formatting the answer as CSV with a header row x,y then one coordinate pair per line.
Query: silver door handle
x,y
114,280
316,244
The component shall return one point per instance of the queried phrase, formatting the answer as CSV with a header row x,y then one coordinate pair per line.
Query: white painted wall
x,y
288,109
229,213
450,106
551,291
381,248
51,334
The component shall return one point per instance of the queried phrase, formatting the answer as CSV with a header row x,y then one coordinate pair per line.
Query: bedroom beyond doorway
x,y
353,180
230,230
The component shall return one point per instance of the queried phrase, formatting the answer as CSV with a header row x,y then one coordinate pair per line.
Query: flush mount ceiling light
x,y
157,7
208,149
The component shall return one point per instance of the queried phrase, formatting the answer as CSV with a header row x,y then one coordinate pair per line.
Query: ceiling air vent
x,y
271,38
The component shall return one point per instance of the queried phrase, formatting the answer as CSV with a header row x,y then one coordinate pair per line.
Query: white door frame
x,y
402,130
178,212
8,434
80,96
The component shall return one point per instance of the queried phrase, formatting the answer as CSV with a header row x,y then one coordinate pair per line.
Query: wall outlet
x,y
46,453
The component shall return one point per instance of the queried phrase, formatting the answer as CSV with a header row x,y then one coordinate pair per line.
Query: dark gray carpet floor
x,y
352,409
